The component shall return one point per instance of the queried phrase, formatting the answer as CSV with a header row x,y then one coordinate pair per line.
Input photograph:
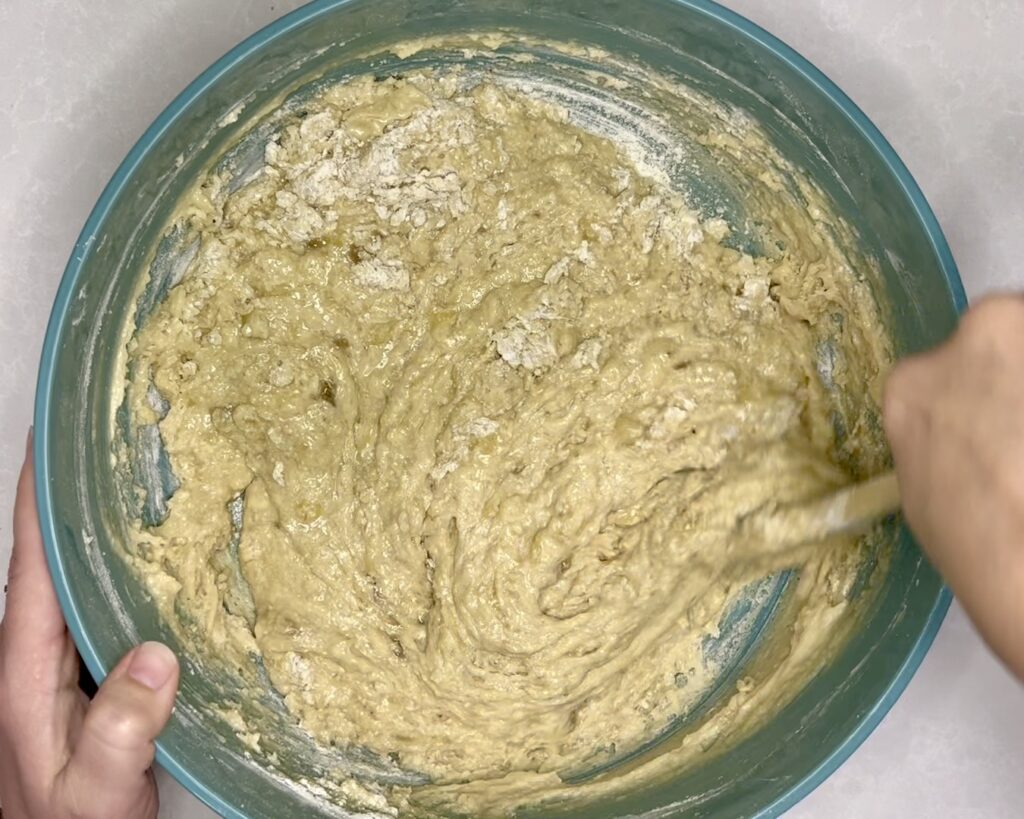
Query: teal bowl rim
x,y
743,27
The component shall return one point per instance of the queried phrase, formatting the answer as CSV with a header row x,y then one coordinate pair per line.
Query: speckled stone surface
x,y
944,81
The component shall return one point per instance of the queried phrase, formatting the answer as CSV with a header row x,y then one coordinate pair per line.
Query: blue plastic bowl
x,y
813,124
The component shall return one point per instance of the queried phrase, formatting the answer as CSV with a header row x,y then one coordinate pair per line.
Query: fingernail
x,y
152,664
28,441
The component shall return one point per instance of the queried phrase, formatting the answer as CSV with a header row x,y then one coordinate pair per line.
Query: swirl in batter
x,y
492,399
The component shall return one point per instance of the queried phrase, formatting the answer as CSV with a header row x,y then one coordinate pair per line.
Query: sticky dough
x,y
493,400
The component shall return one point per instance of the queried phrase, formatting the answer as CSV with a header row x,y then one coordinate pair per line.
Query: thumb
x,y
108,772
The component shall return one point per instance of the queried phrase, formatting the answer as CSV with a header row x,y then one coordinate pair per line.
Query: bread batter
x,y
487,400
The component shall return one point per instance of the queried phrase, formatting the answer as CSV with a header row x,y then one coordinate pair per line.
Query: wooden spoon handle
x,y
857,507
851,509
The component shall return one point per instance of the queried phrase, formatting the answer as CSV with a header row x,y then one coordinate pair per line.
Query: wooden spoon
x,y
782,527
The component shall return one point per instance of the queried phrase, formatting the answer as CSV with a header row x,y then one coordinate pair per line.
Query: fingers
x,y
108,772
955,421
33,621
907,389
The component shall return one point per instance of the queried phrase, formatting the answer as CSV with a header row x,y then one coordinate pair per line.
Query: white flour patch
x,y
380,274
526,342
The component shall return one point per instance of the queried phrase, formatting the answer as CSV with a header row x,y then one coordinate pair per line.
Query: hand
x,y
62,757
955,421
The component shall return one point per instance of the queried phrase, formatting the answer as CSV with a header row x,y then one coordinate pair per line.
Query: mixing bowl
x,y
717,53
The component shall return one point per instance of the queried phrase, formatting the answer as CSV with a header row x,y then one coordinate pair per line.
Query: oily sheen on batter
x,y
493,399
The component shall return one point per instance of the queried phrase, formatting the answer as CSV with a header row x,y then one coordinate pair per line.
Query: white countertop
x,y
943,80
